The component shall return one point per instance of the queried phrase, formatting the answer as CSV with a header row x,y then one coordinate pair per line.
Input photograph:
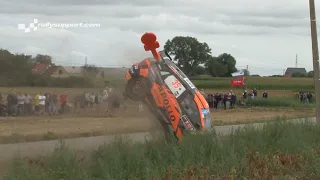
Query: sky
x,y
265,35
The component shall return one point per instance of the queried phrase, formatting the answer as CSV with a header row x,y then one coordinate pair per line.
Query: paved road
x,y
86,144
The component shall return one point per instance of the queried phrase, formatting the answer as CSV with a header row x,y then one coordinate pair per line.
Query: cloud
x,y
258,33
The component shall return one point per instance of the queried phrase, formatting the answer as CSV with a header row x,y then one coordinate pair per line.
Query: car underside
x,y
170,95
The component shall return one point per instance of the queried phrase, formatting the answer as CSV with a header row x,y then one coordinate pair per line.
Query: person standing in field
x,y
233,100
255,92
12,103
46,107
54,102
63,97
21,99
224,100
42,102
265,95
36,103
27,104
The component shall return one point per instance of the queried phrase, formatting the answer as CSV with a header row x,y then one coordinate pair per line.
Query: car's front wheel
x,y
137,88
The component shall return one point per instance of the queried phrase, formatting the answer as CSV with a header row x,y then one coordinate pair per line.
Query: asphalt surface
x,y
87,144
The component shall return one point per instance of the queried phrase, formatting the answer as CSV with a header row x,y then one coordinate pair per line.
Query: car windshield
x,y
190,107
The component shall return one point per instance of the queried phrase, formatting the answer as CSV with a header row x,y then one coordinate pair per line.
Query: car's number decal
x,y
175,85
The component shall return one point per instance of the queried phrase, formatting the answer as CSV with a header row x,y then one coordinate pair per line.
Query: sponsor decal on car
x,y
167,105
187,123
187,80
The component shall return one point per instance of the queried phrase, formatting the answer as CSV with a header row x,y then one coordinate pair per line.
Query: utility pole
x,y
315,54
296,60
247,70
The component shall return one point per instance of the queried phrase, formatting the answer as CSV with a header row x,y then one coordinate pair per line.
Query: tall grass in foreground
x,y
276,151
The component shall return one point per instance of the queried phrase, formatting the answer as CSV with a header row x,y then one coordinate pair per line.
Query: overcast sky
x,y
266,35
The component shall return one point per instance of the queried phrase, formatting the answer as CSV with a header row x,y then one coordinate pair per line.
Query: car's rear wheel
x,y
138,88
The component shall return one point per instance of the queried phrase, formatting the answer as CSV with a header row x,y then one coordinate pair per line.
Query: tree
x,y
216,69
188,52
229,62
199,70
310,74
15,69
43,59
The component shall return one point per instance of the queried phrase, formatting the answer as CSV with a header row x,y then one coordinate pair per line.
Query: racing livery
x,y
169,93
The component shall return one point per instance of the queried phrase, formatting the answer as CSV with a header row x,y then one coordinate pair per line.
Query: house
x,y
116,73
77,71
57,72
39,69
290,71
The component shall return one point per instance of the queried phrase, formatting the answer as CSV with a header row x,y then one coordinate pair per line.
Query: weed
x,y
280,150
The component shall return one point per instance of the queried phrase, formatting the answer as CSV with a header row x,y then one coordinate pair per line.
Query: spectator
x,y
87,99
36,103
92,100
63,101
233,100
309,96
255,92
42,103
251,95
46,107
27,104
224,101
265,94
216,100
21,99
301,96
245,94
12,103
54,103
210,100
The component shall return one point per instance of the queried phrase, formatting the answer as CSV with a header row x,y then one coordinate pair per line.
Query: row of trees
x,y
190,54
195,58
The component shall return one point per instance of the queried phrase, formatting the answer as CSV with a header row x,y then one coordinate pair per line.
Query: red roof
x,y
39,68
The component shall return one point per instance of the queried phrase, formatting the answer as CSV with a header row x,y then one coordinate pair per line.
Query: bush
x,y
281,149
277,102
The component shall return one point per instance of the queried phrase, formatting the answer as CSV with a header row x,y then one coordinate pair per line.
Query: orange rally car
x,y
169,93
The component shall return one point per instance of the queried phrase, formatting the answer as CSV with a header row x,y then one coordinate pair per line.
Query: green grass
x,y
290,102
270,83
266,120
278,150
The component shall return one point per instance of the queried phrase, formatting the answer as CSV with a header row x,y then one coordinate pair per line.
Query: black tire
x,y
138,88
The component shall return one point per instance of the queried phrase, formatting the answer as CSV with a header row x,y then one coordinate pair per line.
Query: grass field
x,y
277,151
261,83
